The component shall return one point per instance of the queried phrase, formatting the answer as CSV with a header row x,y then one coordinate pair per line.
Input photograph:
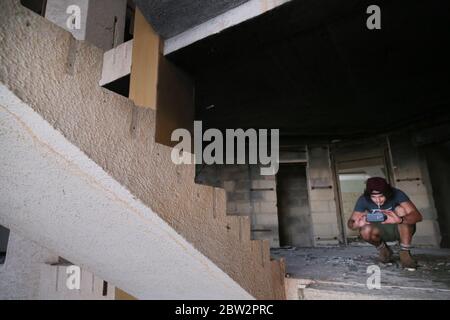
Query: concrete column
x,y
20,276
411,176
53,285
322,197
102,22
30,272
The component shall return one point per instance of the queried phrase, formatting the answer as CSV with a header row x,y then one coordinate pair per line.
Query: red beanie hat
x,y
377,185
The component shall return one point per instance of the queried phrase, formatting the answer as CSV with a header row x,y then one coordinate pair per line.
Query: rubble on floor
x,y
341,273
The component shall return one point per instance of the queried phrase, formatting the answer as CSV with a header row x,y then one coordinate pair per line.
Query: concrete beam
x,y
246,11
117,63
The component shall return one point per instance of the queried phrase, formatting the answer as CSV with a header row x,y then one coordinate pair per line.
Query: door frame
x,y
387,161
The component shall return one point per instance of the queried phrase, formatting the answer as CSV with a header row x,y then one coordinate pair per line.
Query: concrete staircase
x,y
85,178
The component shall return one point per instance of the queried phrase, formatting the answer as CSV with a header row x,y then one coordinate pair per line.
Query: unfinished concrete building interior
x,y
89,100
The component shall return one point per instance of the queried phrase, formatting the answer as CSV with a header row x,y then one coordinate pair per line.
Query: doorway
x,y
438,160
354,164
294,217
4,237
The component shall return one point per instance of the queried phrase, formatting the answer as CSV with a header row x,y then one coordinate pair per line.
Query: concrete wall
x,y
322,196
105,26
411,176
252,195
249,194
61,84
102,21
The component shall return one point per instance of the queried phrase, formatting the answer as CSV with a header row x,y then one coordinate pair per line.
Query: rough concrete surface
x,y
171,17
341,273
65,201
58,77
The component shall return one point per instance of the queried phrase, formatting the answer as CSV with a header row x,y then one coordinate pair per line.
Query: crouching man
x,y
401,216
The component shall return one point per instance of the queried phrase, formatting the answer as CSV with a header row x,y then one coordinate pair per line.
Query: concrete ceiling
x,y
313,69
171,17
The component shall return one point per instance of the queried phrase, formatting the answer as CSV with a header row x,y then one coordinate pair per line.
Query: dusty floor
x,y
341,273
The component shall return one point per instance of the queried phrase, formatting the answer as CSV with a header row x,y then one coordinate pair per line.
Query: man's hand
x,y
400,211
408,211
357,220
392,217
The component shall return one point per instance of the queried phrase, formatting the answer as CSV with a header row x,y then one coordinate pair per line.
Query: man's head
x,y
378,190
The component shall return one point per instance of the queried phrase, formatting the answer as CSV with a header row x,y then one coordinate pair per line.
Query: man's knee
x,y
370,233
365,232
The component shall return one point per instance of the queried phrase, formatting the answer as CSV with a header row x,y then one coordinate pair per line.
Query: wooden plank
x,y
145,62
278,271
122,295
158,84
175,102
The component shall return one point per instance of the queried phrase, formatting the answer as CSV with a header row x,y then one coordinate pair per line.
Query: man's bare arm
x,y
408,211
357,220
